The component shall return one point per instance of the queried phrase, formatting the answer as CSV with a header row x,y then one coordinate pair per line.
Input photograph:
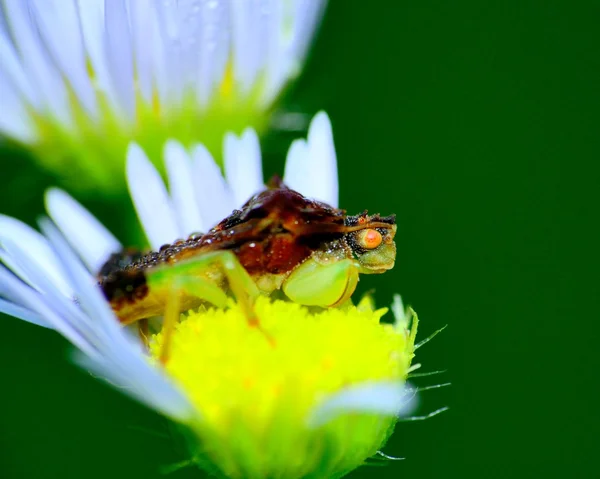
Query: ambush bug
x,y
278,242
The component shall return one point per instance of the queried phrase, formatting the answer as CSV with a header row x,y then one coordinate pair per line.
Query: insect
x,y
278,242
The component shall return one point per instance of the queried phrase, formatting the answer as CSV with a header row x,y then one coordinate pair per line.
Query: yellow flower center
x,y
254,389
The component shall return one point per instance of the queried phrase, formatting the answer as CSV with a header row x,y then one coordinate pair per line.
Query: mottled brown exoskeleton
x,y
278,241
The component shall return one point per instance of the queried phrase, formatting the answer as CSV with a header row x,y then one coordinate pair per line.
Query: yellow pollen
x,y
261,386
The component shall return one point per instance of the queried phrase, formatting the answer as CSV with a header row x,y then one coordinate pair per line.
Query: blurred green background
x,y
478,124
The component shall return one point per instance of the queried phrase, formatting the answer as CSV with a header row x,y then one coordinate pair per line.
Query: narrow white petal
x,y
93,30
182,188
134,377
58,23
322,159
296,175
12,288
46,298
383,398
15,120
173,52
119,357
3,25
322,156
105,325
311,166
306,17
150,198
47,292
161,63
14,232
120,54
16,93
92,241
41,304
291,28
94,316
14,74
243,165
195,37
36,61
249,40
277,58
214,198
212,48
143,31
20,312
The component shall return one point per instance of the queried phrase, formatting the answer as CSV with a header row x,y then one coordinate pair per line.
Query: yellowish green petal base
x,y
90,156
256,390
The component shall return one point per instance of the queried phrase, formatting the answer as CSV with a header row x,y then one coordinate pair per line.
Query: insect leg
x,y
176,284
324,285
144,330
241,284
172,313
193,277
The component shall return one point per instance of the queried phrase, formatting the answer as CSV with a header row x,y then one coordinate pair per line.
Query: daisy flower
x,y
80,79
318,404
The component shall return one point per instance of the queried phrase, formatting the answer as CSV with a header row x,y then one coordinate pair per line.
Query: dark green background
x,y
478,124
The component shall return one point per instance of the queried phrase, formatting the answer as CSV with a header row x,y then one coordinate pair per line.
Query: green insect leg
x,y
326,285
192,277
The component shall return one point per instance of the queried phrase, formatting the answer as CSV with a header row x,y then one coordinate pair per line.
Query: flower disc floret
x,y
257,390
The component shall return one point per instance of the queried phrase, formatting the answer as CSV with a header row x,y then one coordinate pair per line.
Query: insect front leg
x,y
322,284
192,277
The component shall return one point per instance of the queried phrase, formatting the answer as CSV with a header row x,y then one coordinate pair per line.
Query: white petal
x,y
172,55
322,159
120,54
92,241
92,19
46,290
243,165
59,28
214,198
386,398
150,198
14,232
277,57
91,299
53,299
322,156
119,359
306,16
144,33
181,26
249,39
37,64
13,73
212,48
3,25
15,120
20,312
311,168
290,31
133,376
182,188
160,61
12,288
43,305
296,175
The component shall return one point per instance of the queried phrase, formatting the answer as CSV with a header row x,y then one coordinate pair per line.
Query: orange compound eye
x,y
369,238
